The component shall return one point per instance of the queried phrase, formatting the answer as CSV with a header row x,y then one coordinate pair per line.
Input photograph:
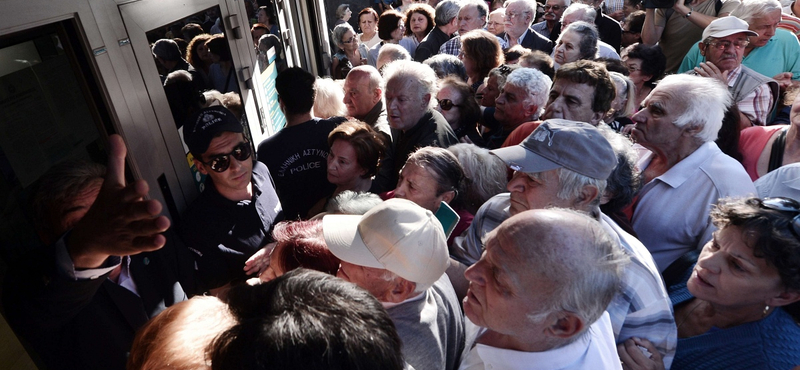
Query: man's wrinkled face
x,y
535,191
367,278
725,52
553,10
511,108
358,98
572,101
517,20
404,106
469,19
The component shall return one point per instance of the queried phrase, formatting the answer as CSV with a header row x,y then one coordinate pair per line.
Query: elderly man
x,y
519,17
678,28
446,21
724,41
363,97
410,87
78,301
536,297
398,252
521,100
566,164
550,27
609,29
774,52
233,216
684,171
472,16
297,155
582,91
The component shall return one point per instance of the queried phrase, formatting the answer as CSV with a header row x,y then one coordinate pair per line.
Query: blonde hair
x,y
329,99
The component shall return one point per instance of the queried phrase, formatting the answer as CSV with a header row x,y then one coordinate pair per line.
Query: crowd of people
x,y
482,185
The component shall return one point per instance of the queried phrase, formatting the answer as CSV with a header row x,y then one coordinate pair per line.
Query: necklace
x,y
686,316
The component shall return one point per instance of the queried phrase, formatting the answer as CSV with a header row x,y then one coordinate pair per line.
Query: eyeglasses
x,y
510,15
785,205
554,7
447,104
220,163
724,44
348,41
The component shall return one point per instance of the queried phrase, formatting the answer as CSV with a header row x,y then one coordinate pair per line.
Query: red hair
x,y
303,245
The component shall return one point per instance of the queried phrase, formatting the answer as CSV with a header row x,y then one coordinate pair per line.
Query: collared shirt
x,y
519,39
541,27
595,349
452,46
671,215
756,105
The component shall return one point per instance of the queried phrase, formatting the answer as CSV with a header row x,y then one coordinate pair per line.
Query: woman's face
x,y
568,48
618,104
348,41
496,24
419,185
397,34
347,15
203,54
262,16
469,62
449,97
634,66
794,115
343,167
727,273
418,24
368,23
490,92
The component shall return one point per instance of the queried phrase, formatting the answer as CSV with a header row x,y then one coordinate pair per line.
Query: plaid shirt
x,y
452,46
640,309
756,105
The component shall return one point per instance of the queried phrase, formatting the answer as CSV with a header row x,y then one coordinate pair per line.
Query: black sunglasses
x,y
221,162
785,205
447,104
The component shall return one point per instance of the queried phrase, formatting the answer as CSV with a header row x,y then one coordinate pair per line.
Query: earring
x,y
766,310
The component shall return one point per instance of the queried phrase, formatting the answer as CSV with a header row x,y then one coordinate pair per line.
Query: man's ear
x,y
597,117
377,95
200,166
426,100
588,194
448,196
566,326
691,130
531,110
702,46
402,290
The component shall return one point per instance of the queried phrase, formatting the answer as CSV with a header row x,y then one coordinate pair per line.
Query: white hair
x,y
588,13
535,83
328,99
420,75
705,101
754,9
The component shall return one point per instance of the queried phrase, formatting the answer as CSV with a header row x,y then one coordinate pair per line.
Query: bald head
x,y
363,88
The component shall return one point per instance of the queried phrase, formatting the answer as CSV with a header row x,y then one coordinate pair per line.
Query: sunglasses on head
x,y
221,162
785,205
447,104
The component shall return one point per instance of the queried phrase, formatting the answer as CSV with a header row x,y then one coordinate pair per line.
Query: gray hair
x,y
754,9
502,76
529,6
58,186
624,182
588,13
338,33
535,83
393,52
349,202
446,11
445,65
485,174
705,101
588,35
571,185
621,80
328,98
341,9
418,74
443,165
483,9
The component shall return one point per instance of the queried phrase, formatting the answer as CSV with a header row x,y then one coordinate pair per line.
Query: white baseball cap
x,y
397,235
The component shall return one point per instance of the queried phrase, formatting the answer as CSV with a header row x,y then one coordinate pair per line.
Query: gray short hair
x,y
501,74
754,9
483,9
446,11
349,202
588,35
328,98
624,182
418,74
529,6
444,166
571,185
445,65
338,33
535,83
394,52
485,173
705,101
588,13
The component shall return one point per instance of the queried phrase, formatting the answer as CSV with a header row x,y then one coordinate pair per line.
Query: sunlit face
x,y
419,185
728,58
553,10
765,27
349,42
358,98
418,24
517,20
404,106
368,23
397,34
499,296
490,92
343,167
572,101
367,278
237,177
510,107
568,48
469,19
634,66
535,191
454,113
655,122
496,24
728,274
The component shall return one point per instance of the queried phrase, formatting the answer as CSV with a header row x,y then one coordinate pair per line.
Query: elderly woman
x,y
348,55
497,24
494,84
765,148
356,150
368,23
731,305
459,108
391,26
419,22
480,52
445,65
646,64
343,14
433,175
577,41
328,98
299,244
622,107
